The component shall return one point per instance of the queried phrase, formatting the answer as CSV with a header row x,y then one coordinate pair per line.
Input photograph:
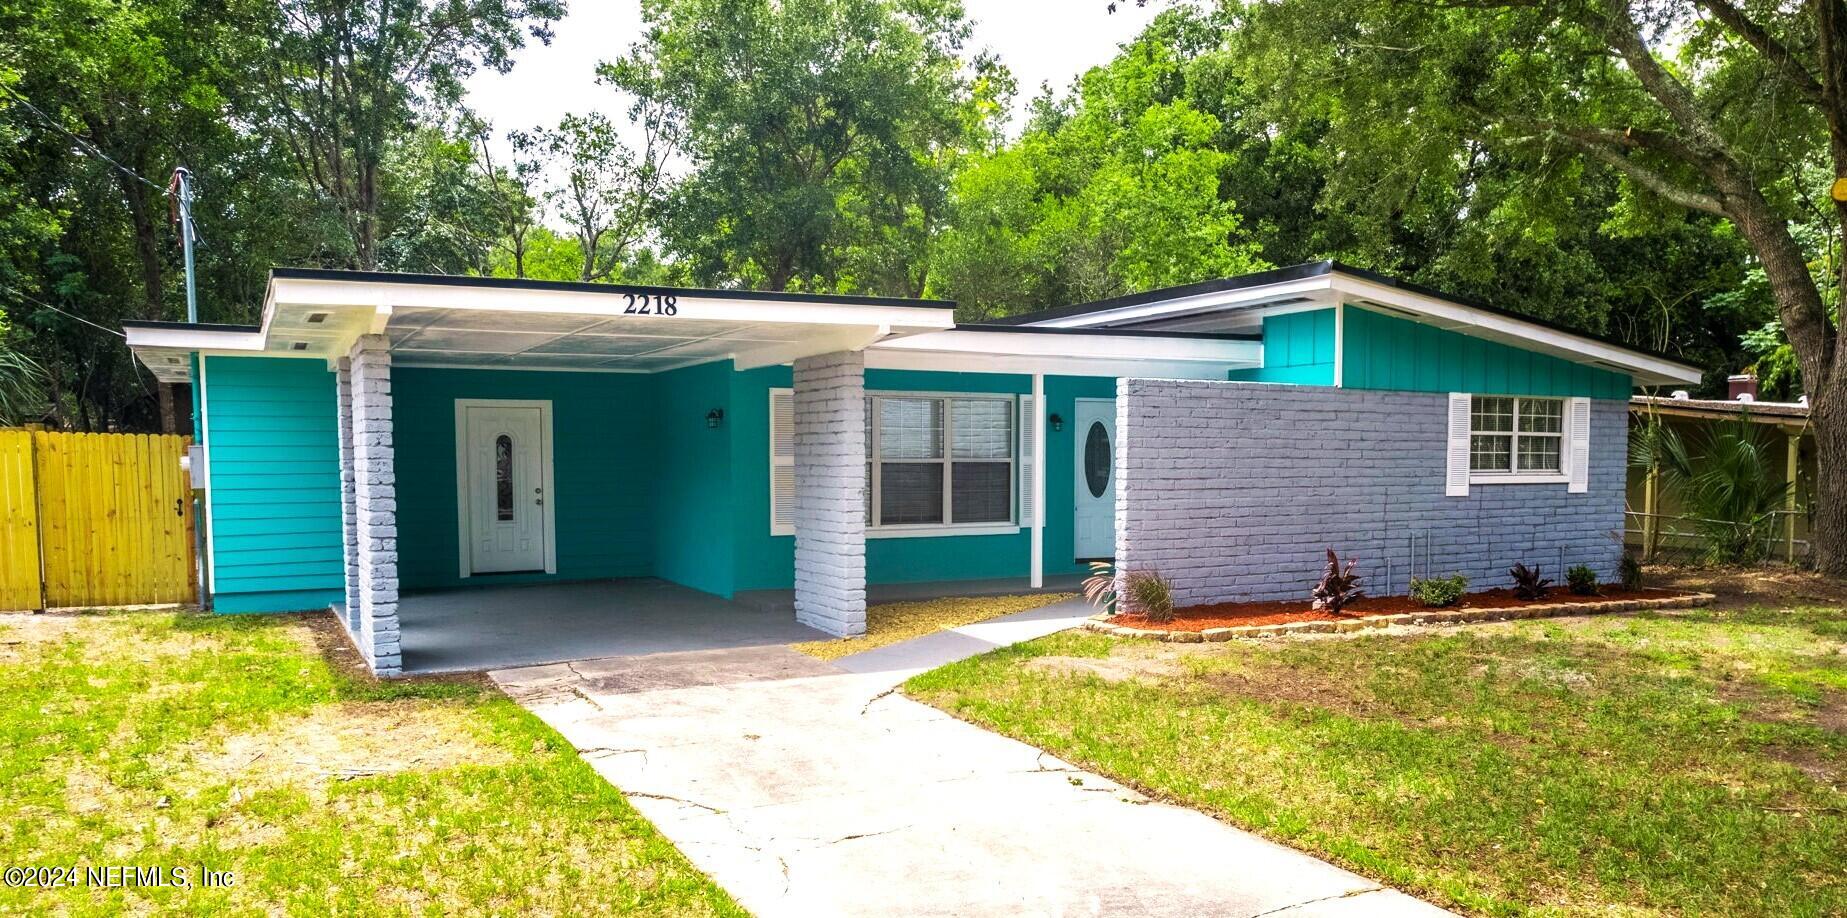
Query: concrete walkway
x,y
807,788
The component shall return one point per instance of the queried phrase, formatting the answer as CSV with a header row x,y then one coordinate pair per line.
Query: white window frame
x,y
875,530
1514,475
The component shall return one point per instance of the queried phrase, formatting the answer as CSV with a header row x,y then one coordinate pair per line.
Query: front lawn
x,y
1688,762
232,743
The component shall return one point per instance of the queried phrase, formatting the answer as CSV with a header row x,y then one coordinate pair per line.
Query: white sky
x,y
1041,40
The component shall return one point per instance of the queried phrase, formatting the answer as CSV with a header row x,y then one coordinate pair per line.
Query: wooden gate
x,y
94,520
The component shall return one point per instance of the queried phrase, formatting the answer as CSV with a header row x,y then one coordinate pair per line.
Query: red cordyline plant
x,y
1337,587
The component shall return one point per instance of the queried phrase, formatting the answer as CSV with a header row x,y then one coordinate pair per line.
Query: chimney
x,y
1741,387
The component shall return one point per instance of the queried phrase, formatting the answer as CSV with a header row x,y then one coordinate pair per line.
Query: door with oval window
x,y
1095,516
504,491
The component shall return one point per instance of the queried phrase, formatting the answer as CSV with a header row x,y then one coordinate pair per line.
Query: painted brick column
x,y
830,493
349,522
375,506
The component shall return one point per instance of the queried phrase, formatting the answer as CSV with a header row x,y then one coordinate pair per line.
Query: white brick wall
x,y
343,401
830,496
1236,490
375,506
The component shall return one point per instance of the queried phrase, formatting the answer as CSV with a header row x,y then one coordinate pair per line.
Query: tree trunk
x,y
169,419
1828,523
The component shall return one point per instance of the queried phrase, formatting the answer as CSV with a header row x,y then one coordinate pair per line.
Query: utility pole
x,y
180,189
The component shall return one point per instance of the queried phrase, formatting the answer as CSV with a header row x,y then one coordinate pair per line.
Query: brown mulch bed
x,y
1238,614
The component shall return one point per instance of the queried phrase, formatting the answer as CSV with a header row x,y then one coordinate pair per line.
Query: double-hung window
x,y
1516,436
939,460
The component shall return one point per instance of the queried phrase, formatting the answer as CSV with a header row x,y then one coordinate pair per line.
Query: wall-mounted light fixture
x,y
715,417
1058,423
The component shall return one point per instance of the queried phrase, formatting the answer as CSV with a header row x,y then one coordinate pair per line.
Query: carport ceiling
x,y
474,338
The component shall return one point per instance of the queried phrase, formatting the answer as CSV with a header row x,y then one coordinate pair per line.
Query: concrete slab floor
x,y
482,628
807,789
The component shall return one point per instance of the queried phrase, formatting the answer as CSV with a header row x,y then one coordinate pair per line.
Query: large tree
x,y
348,76
789,108
1728,109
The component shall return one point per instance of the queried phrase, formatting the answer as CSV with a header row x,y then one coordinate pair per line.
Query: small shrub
x,y
1582,580
1337,587
1527,582
1629,572
1100,586
1437,592
1150,594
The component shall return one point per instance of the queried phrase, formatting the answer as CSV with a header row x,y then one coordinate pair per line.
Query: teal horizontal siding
x,y
1384,352
275,483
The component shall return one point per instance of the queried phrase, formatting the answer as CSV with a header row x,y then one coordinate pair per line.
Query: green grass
x,y
232,743
1687,763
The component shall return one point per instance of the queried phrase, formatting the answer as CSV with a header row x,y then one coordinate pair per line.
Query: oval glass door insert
x,y
1097,459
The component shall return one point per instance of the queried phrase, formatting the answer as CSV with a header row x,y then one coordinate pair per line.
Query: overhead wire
x,y
38,302
82,144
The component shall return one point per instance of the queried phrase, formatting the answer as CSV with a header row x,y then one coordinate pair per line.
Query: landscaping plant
x,y
1437,592
1337,587
1582,580
1100,586
1527,582
1150,594
1730,489
1629,572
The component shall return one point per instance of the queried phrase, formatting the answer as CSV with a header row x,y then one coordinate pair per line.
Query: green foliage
x,y
1727,484
1629,572
1437,592
1582,580
1148,594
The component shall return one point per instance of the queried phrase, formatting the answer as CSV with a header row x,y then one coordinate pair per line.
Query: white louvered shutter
x,y
1028,416
1456,480
1577,417
782,462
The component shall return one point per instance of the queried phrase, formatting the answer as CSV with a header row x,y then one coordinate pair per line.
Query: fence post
x,y
1792,466
1650,503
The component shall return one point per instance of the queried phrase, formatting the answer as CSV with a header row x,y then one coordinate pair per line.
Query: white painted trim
x,y
415,364
1203,302
204,435
1103,347
878,358
548,481
1489,478
1038,480
932,530
193,339
1340,344
848,339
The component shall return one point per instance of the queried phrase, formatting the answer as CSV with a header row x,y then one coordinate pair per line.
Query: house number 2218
x,y
642,304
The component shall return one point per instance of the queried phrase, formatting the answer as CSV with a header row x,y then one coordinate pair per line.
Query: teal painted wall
x,y
274,462
1384,352
1298,348
766,562
694,502
605,442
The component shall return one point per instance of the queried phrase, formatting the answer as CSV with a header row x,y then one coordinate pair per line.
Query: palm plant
x,y
1727,487
22,385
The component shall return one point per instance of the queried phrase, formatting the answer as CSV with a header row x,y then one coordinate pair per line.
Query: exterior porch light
x,y
1058,423
715,417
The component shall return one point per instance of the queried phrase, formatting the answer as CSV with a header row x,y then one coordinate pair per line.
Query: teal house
x,y
397,447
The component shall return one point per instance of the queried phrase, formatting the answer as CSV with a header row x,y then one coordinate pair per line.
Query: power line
x,y
82,144
38,302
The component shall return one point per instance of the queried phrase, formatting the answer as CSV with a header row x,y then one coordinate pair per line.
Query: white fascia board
x,y
1457,317
880,358
846,339
1127,347
194,339
1202,302
337,294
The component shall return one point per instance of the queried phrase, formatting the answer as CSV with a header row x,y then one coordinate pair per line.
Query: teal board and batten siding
x,y
605,470
1385,352
1298,347
272,452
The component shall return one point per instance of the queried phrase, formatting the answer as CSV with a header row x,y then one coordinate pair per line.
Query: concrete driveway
x,y
808,788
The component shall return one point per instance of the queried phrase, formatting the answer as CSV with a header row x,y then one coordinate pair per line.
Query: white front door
x,y
1095,533
505,458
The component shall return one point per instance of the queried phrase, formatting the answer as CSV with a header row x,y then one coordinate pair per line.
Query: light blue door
x,y
1095,481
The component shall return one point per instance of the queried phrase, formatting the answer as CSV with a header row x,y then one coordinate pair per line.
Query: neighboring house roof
x,y
1242,302
1717,409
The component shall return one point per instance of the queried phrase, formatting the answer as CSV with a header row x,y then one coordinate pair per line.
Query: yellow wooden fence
x,y
94,520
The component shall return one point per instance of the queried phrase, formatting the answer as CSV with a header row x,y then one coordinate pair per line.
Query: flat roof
x,y
1718,407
